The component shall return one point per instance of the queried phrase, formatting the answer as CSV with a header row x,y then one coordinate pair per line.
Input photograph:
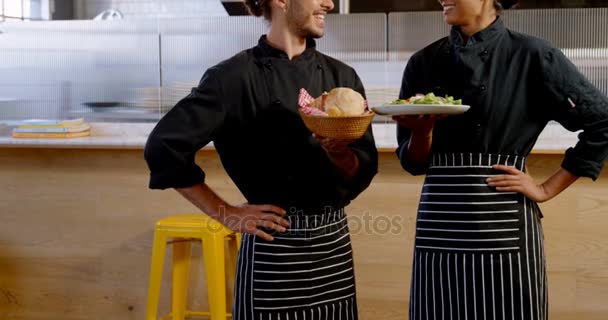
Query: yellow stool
x,y
181,229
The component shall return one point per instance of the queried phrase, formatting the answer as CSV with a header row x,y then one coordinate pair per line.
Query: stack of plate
x,y
155,99
180,89
148,99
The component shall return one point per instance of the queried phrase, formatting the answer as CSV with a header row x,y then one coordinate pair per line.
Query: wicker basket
x,y
350,128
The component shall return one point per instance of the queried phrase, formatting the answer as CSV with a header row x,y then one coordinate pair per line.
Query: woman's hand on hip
x,y
515,180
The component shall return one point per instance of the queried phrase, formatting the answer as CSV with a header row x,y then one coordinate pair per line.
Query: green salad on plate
x,y
429,98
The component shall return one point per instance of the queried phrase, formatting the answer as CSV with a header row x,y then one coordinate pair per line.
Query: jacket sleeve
x,y
367,153
577,105
172,145
409,88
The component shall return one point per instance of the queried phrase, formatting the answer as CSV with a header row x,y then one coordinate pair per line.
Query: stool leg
x,y
156,274
213,253
231,260
181,271
239,238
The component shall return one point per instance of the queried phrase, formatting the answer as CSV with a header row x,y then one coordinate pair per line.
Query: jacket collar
x,y
266,50
495,29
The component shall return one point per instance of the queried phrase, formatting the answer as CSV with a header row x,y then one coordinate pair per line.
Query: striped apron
x,y
479,253
305,273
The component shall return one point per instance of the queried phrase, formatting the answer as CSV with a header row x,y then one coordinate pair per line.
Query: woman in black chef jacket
x,y
295,260
479,248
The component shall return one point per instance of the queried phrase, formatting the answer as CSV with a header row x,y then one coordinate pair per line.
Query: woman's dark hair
x,y
259,8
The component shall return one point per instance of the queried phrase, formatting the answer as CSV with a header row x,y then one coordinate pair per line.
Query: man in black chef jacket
x,y
295,258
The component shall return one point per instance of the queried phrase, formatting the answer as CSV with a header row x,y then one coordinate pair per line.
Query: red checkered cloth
x,y
304,101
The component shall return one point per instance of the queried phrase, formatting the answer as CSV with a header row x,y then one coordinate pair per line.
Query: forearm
x,y
419,147
557,183
205,199
346,162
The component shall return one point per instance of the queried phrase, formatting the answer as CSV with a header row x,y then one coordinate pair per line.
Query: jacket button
x,y
482,88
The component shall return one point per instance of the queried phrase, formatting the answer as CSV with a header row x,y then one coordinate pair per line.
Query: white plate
x,y
414,109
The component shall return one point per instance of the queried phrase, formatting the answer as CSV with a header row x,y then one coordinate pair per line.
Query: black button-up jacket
x,y
515,84
248,106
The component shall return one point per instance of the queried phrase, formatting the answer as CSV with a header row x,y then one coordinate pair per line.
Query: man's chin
x,y
315,34
309,32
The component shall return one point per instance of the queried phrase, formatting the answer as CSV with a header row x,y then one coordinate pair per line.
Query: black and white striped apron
x,y
305,273
478,253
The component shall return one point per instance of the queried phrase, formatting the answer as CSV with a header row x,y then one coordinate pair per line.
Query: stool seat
x,y
213,236
192,223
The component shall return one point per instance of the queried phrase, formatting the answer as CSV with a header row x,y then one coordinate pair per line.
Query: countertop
x,y
554,139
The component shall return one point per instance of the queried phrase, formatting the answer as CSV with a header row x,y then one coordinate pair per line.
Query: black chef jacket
x,y
248,106
514,84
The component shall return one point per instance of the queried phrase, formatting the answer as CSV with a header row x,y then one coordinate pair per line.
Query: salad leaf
x,y
429,98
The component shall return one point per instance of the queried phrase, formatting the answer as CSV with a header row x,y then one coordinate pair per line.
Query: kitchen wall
x,y
425,5
88,9
144,66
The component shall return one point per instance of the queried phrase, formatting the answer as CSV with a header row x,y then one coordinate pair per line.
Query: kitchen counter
x,y
103,136
554,138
